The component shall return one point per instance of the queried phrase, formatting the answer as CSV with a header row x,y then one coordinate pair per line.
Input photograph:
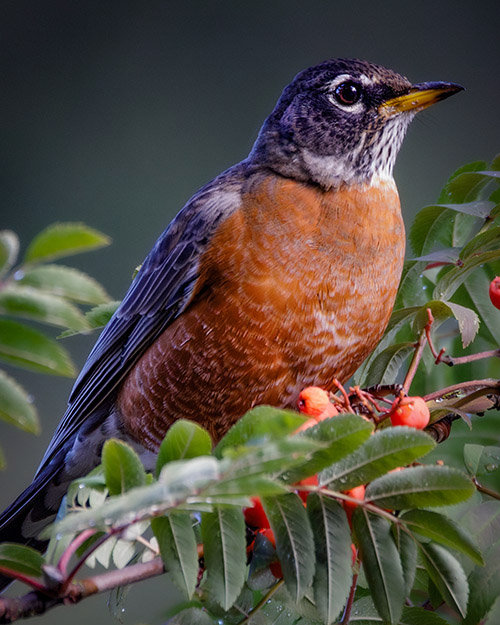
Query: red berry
x,y
411,411
349,506
275,567
308,481
256,516
276,570
315,401
495,292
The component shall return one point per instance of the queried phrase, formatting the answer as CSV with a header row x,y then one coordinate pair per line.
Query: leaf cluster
x,y
49,294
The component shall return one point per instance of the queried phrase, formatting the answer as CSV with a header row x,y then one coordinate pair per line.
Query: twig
x,y
462,360
485,490
419,348
262,602
72,548
35,602
348,606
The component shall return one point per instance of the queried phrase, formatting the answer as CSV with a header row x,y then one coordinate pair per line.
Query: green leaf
x,y
64,239
447,574
177,543
9,249
411,291
468,321
381,563
294,541
21,559
24,301
184,439
16,406
482,242
420,616
260,423
484,588
25,347
443,530
332,539
493,617
342,435
386,450
437,227
476,287
123,469
420,486
192,616
481,460
224,548
385,366
64,282
451,280
2,459
408,554
96,318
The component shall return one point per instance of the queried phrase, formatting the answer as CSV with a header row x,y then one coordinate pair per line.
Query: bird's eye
x,y
347,93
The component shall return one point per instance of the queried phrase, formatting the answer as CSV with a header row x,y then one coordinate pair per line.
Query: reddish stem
x,y
72,548
26,579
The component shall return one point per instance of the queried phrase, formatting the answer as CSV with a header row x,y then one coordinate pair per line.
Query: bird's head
x,y
343,121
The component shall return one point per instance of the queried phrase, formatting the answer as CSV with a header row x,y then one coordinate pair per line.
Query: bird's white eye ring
x,y
347,93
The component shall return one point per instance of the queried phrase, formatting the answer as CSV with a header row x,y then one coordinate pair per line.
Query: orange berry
x,y
411,411
495,292
256,516
308,481
315,401
349,506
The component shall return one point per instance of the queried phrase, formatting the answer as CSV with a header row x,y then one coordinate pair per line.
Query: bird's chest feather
x,y
319,270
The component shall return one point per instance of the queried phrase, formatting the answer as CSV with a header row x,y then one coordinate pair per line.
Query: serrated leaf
x,y
65,282
24,301
448,255
178,482
16,406
483,582
447,574
468,321
122,467
260,423
381,563
191,616
123,553
224,545
482,242
480,459
478,208
438,226
385,450
21,559
332,539
177,543
96,318
443,530
184,439
9,249
493,617
64,239
294,541
420,616
411,291
420,486
25,347
476,286
341,434
408,554
451,280
385,366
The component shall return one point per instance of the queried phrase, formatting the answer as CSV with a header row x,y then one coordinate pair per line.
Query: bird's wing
x,y
158,294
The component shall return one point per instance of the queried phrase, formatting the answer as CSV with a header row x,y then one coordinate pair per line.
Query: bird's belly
x,y
263,331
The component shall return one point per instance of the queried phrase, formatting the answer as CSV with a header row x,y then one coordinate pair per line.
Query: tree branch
x,y
36,602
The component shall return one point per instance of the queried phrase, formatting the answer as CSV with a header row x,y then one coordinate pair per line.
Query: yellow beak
x,y
419,97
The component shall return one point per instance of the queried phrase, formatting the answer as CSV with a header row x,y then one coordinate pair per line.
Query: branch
x,y
35,602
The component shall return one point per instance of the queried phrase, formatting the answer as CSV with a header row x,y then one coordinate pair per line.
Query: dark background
x,y
115,112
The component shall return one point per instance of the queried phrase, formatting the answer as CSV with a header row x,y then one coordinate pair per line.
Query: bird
x,y
280,273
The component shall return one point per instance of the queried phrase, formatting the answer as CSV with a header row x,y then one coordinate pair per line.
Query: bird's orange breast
x,y
295,289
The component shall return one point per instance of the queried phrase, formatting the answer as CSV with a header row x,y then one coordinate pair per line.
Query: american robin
x,y
279,274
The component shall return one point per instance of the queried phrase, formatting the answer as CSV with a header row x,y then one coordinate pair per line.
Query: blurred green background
x,y
116,112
